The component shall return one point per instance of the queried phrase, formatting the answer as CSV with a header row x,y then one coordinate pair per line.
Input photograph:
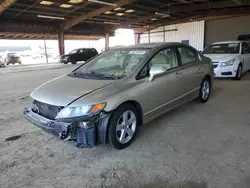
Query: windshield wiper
x,y
103,75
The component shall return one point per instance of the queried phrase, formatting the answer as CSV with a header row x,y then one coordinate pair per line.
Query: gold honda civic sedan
x,y
107,98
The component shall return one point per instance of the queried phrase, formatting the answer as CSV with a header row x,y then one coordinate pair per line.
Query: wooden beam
x,y
6,4
23,35
70,23
237,2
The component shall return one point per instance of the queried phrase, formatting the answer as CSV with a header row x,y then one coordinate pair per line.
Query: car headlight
x,y
227,63
70,112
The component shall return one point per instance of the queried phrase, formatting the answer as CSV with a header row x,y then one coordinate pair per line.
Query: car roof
x,y
149,45
226,42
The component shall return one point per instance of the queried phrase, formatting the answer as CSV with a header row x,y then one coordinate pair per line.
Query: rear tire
x,y
123,126
238,73
205,90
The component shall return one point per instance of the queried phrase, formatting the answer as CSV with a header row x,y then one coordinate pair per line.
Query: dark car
x,y
82,54
245,37
12,58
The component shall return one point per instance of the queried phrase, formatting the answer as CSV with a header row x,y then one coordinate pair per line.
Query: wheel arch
x,y
209,78
138,108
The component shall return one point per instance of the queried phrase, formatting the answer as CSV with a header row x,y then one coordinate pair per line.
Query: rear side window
x,y
187,55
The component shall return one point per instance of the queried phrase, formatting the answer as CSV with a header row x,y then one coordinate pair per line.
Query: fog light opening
x,y
84,125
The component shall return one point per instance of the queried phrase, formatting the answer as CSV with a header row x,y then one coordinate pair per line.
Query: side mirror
x,y
156,72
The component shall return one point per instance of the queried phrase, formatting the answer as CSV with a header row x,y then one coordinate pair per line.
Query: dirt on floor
x,y
194,146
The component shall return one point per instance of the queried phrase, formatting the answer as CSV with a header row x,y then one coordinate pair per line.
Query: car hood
x,y
220,57
63,90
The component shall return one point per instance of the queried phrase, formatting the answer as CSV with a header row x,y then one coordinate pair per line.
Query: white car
x,y
230,58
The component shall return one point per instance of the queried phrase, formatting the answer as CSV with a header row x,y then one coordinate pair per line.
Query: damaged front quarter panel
x,y
87,131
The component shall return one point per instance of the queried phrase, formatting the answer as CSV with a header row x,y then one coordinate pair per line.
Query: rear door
x,y
245,52
191,72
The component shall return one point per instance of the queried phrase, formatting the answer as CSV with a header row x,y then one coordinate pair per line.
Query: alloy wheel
x,y
205,89
125,127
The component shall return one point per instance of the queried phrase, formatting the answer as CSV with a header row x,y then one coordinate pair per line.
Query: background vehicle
x,y
2,64
245,37
82,54
230,58
12,58
107,98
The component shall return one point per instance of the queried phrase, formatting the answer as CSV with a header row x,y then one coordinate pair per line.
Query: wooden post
x,y
137,38
106,41
61,43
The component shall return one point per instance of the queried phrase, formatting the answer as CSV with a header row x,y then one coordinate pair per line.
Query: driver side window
x,y
165,58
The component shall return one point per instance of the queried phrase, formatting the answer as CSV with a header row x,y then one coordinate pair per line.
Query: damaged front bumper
x,y
83,131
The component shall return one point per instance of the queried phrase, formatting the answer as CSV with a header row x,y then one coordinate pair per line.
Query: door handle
x,y
198,67
178,74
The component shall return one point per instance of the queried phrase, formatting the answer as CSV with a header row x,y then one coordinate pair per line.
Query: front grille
x,y
46,110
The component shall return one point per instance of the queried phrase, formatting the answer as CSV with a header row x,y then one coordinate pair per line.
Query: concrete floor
x,y
195,146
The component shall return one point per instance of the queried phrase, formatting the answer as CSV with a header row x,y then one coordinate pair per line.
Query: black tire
x,y
203,98
112,134
65,63
238,75
73,61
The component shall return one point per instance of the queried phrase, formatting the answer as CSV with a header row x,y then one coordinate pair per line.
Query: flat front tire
x,y
123,126
205,90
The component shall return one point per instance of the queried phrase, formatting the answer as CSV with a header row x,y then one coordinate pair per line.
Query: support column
x,y
148,36
106,41
61,43
137,38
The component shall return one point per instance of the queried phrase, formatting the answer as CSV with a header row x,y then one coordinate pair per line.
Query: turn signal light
x,y
97,107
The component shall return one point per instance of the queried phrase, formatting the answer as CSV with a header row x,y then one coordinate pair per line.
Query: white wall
x,y
193,31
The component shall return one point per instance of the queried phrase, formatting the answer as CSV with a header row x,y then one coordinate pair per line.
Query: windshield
x,y
112,64
73,51
227,48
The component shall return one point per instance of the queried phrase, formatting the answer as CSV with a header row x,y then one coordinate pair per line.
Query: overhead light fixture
x,y
120,14
130,11
108,12
65,6
75,1
119,9
146,26
103,3
153,19
162,15
112,23
46,2
51,17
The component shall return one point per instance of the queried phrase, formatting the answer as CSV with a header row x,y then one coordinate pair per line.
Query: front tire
x,y
205,90
123,126
239,73
73,61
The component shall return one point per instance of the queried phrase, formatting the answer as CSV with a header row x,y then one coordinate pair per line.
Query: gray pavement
x,y
194,146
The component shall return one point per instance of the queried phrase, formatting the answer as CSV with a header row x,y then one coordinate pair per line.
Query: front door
x,y
160,92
